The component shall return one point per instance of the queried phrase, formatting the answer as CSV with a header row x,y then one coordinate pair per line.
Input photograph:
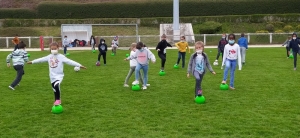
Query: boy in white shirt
x,y
231,56
56,68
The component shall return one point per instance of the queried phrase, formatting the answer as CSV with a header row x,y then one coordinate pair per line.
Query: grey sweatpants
x,y
199,78
20,73
132,69
243,54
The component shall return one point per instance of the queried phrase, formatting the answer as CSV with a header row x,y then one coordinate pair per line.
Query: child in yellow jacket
x,y
182,47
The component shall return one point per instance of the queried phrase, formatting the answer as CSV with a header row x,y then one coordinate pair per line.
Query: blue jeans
x,y
145,70
232,65
181,55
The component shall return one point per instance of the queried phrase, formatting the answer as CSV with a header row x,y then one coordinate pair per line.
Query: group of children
x,y
139,58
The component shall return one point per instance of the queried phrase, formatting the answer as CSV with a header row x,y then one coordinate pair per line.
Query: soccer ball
x,y
215,63
76,69
98,63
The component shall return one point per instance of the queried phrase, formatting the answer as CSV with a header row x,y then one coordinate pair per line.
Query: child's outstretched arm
x,y
208,65
239,58
9,56
133,56
169,45
72,62
152,56
189,68
39,60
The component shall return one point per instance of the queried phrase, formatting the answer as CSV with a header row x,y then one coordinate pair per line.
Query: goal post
x,y
84,32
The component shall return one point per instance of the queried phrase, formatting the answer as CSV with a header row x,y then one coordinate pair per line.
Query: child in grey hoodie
x,y
197,64
142,57
19,57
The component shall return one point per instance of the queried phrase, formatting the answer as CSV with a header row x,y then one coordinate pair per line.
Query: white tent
x,y
76,31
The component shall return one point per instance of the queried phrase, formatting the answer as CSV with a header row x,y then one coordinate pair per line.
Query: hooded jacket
x,y
102,47
294,44
19,57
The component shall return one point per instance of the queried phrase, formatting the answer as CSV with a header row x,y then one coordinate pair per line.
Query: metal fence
x,y
152,40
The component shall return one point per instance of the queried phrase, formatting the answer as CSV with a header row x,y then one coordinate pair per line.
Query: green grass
x,y
264,104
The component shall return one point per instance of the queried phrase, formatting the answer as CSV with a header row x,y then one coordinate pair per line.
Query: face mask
x,y
199,51
181,40
223,37
141,49
231,42
294,38
102,42
54,52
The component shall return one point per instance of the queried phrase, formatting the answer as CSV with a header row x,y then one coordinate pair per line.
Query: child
x,y
114,45
92,42
294,44
16,41
287,43
56,68
65,44
142,57
221,46
243,43
133,64
231,54
161,49
19,57
102,47
197,64
182,46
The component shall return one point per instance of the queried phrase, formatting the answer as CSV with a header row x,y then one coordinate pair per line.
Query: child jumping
x,y
102,47
114,45
161,49
19,57
197,64
133,64
56,68
182,47
287,43
231,55
142,57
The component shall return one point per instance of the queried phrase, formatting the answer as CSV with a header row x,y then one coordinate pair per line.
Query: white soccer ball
x,y
76,69
216,63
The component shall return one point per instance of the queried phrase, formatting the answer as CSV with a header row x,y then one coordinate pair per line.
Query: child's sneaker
x,y
294,68
144,87
135,82
232,88
147,84
12,88
224,82
126,85
57,102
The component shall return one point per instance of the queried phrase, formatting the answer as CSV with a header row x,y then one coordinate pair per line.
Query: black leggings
x,y
104,57
219,52
56,88
163,58
295,58
287,51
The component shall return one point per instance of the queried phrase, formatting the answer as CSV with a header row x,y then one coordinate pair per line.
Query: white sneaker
x,y
12,88
144,87
147,84
135,82
126,85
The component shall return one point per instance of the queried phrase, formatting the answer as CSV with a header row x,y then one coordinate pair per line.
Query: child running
x,y
161,49
142,57
19,57
231,55
182,47
197,64
133,64
294,44
56,68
